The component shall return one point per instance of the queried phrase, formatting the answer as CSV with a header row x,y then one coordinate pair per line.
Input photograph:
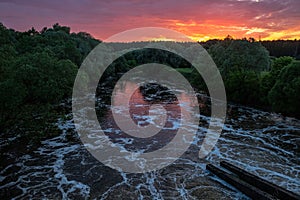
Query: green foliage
x,y
279,48
57,27
46,78
249,80
268,79
7,56
242,86
11,98
196,80
230,55
6,36
285,95
280,63
38,68
58,40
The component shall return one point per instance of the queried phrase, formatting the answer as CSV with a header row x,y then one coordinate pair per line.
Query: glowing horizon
x,y
200,20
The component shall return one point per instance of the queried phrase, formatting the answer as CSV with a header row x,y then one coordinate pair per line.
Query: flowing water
x,y
263,143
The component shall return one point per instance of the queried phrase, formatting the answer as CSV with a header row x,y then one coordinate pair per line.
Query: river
x,y
263,143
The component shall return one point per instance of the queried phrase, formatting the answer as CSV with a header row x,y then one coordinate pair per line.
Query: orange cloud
x,y
198,19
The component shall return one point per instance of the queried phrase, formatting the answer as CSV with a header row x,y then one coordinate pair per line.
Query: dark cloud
x,y
106,17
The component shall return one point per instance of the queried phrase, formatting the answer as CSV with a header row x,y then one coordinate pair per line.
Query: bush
x,y
285,95
46,79
239,55
280,63
242,86
12,96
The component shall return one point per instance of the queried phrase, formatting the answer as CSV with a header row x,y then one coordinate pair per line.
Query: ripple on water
x,y
263,143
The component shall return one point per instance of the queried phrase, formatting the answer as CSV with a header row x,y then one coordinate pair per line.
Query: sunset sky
x,y
198,19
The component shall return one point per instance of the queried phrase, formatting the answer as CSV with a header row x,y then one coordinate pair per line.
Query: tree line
x,y
38,68
260,74
276,48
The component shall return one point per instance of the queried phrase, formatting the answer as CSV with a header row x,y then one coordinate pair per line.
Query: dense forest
x,y
37,71
276,48
38,68
253,76
264,74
